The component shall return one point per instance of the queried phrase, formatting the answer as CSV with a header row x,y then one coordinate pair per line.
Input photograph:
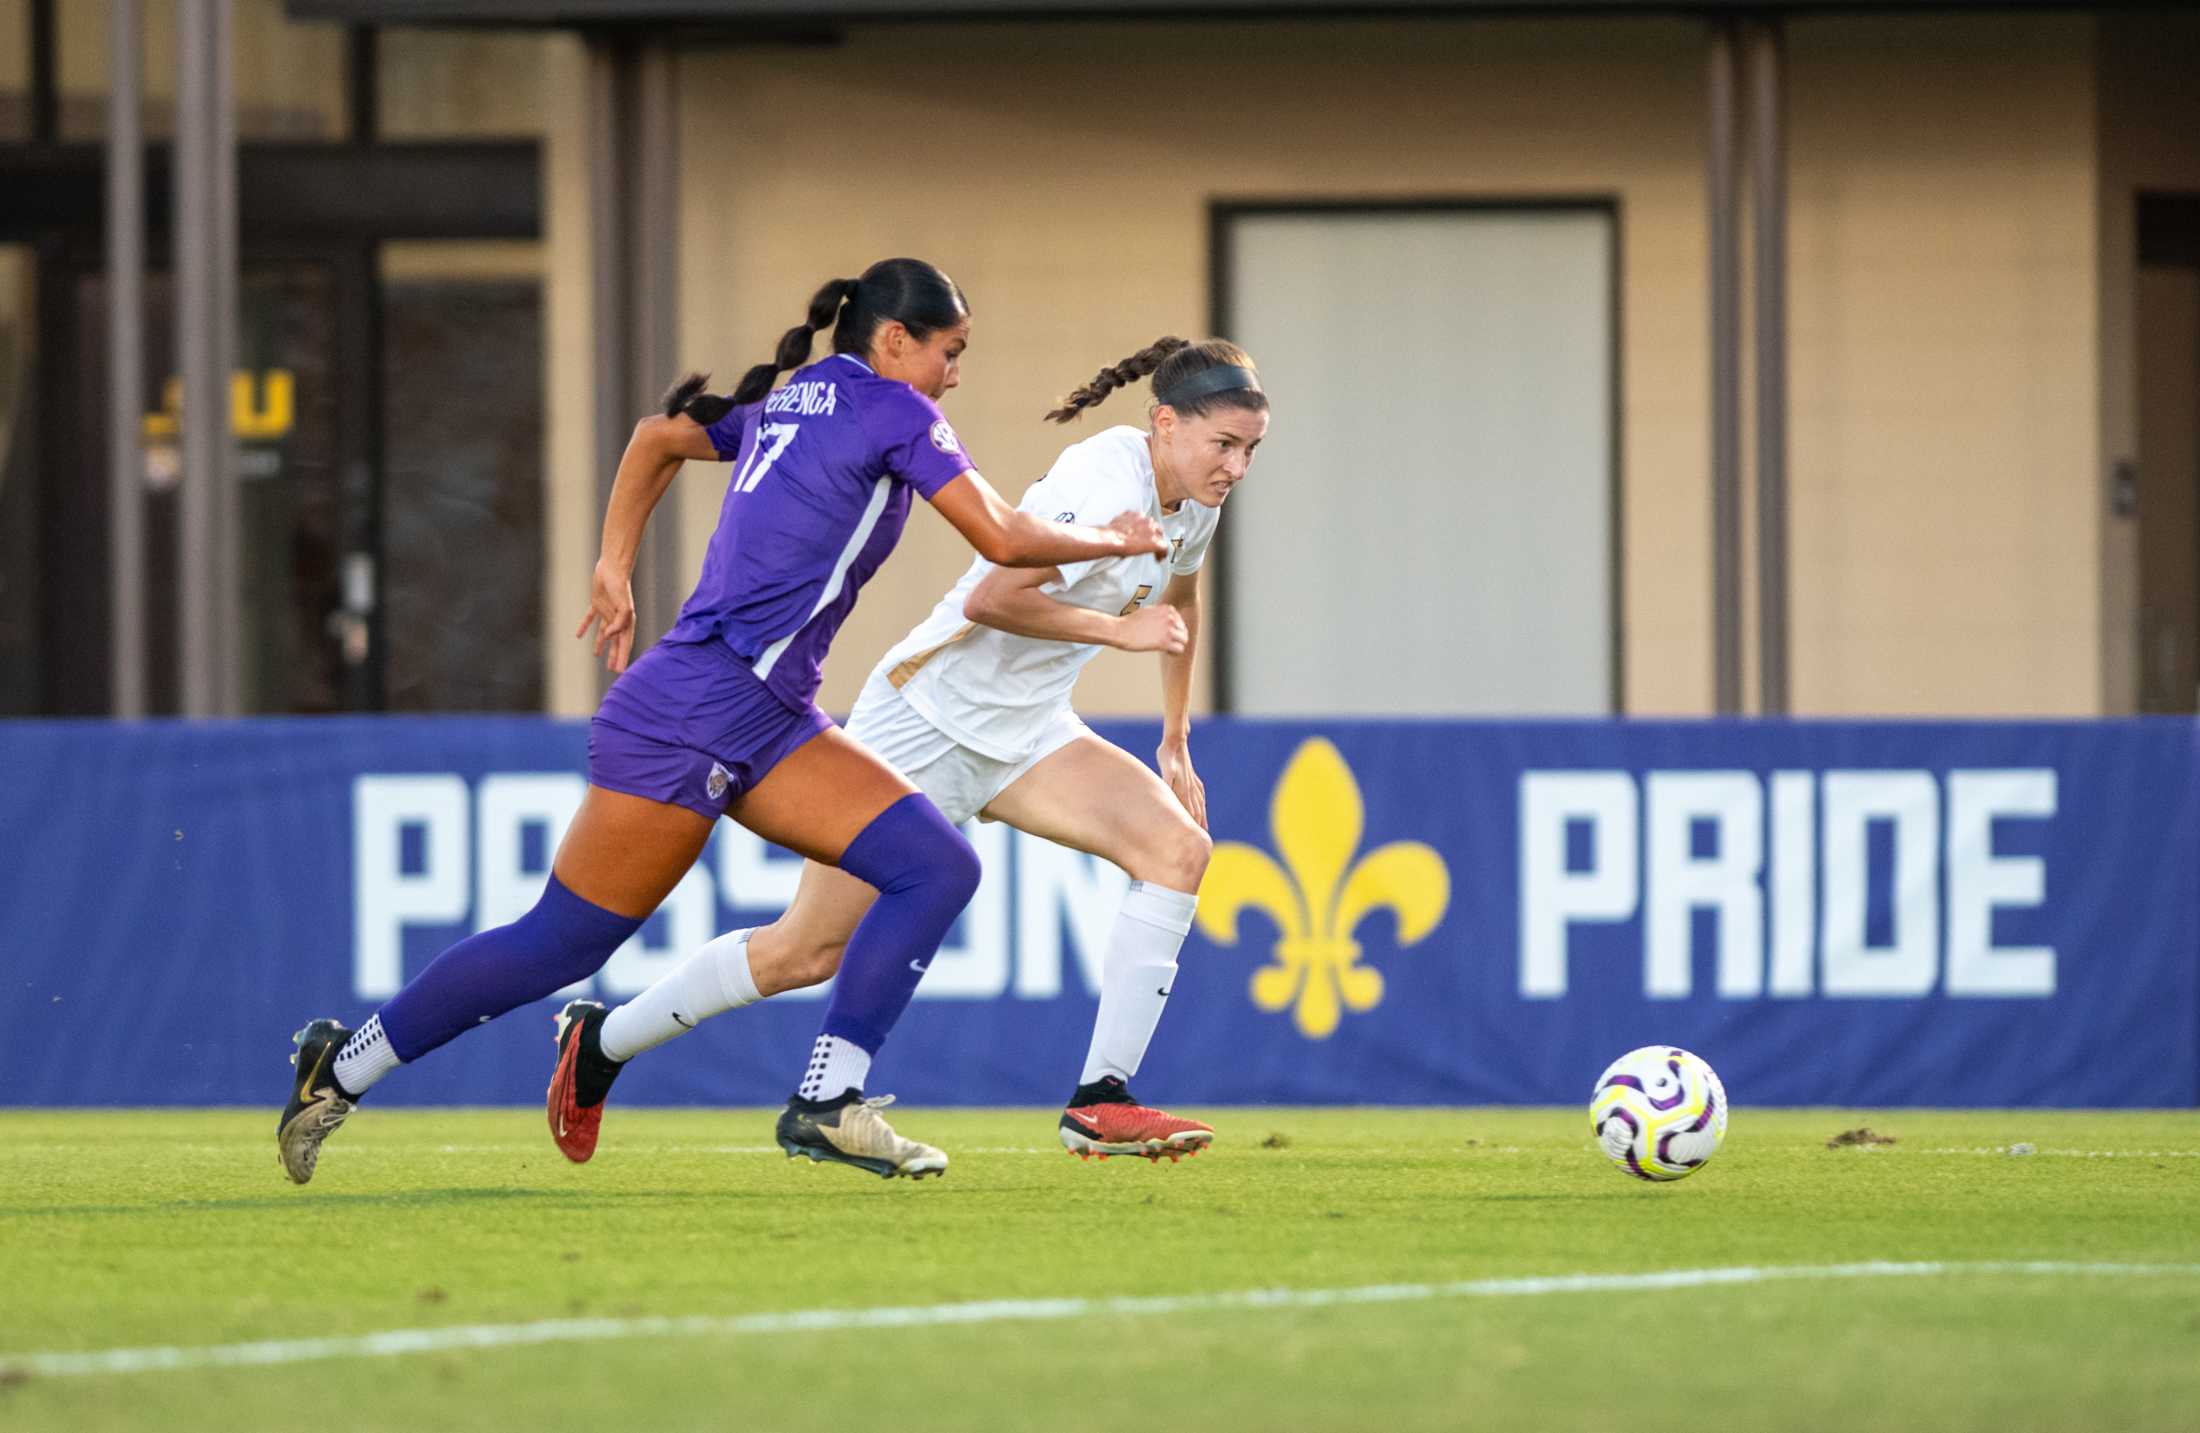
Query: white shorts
x,y
961,782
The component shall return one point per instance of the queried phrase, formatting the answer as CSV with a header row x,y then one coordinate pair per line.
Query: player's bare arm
x,y
1174,756
1008,537
652,460
1013,600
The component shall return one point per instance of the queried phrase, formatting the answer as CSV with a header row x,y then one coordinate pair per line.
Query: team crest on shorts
x,y
720,779
944,439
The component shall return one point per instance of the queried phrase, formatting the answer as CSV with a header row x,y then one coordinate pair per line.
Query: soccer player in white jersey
x,y
974,707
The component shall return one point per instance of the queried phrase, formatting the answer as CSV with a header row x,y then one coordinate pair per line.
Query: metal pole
x,y
609,187
634,165
125,365
198,357
654,246
1768,169
359,437
1726,406
206,316
227,593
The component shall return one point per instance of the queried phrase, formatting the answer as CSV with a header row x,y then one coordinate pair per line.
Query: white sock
x,y
713,980
835,1065
365,1058
1137,977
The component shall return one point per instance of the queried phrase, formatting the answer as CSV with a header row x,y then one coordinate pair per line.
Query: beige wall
x,y
1942,362
1943,287
1062,175
15,56
451,84
2149,106
1960,278
289,77
573,518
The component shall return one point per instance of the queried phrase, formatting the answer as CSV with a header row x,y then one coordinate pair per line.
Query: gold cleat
x,y
317,1105
850,1130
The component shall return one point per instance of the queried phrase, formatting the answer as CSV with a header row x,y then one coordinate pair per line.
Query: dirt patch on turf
x,y
1866,1135
1276,1141
14,1377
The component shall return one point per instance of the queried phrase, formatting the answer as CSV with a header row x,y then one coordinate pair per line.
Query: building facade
x,y
1992,327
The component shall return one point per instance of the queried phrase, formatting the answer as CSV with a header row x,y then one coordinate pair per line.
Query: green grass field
x,y
134,1230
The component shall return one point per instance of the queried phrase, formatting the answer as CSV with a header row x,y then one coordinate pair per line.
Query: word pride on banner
x,y
1399,912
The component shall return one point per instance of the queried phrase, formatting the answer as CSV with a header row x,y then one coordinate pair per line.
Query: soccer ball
x,y
1658,1112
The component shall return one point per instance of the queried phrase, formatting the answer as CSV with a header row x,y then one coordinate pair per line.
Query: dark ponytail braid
x,y
1107,380
910,292
1170,362
794,344
687,396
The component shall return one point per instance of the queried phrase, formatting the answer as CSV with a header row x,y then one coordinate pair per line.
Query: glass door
x,y
299,649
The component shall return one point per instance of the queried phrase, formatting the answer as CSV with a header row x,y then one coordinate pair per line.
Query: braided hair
x,y
909,292
1169,361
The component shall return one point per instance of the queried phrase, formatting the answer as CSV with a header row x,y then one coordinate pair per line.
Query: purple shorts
x,y
690,725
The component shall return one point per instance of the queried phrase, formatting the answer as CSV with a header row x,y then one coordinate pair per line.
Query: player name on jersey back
x,y
807,398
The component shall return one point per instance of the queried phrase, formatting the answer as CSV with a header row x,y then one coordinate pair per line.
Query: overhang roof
x,y
732,13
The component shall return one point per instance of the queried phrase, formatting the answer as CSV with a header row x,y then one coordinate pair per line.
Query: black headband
x,y
1208,381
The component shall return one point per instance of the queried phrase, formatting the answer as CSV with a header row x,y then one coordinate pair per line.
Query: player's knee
x,y
911,848
1183,857
958,868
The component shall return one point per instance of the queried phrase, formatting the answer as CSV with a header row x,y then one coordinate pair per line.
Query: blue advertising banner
x,y
1397,912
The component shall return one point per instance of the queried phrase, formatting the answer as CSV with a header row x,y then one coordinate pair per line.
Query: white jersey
x,y
996,692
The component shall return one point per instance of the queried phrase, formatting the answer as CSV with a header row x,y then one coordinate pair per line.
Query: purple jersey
x,y
823,466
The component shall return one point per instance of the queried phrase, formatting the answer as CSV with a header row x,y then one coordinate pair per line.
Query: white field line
x,y
392,1342
2006,1151
2077,1153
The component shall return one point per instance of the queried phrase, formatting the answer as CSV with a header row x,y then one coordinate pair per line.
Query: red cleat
x,y
582,1073
1103,1119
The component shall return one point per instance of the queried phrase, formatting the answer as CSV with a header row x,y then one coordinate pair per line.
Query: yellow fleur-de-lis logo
x,y
1316,822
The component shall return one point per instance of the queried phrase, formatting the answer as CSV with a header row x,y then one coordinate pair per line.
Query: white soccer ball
x,y
1658,1112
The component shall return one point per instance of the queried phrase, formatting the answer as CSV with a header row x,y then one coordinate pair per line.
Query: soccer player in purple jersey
x,y
974,707
719,718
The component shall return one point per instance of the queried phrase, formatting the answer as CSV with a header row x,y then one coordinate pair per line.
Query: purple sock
x,y
563,939
926,873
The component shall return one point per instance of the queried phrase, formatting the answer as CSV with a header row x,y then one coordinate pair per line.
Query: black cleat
x,y
850,1130
318,1105
582,1080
